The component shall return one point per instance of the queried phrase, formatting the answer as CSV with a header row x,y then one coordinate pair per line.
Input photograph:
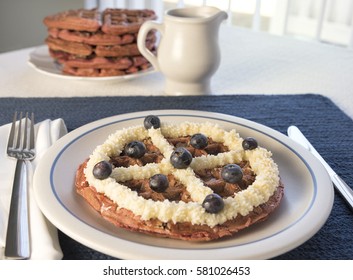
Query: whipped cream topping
x,y
260,160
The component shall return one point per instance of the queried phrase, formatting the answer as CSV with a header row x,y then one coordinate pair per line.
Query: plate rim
x,y
192,253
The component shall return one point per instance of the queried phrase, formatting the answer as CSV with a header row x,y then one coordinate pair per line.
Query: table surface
x,y
252,62
262,78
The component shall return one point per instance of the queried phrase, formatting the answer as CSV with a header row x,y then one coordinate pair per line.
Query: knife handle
x,y
344,189
346,192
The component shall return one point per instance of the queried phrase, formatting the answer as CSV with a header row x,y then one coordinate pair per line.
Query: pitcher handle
x,y
141,41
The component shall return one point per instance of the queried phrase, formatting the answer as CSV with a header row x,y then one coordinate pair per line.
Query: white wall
x,y
21,21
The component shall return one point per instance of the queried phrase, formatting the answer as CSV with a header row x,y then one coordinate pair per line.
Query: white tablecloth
x,y
252,63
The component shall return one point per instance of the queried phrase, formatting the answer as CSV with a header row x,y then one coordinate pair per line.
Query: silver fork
x,y
20,146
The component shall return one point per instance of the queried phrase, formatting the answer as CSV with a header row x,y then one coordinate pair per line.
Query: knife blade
x,y
341,186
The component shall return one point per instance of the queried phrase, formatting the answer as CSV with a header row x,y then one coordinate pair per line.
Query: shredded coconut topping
x,y
260,159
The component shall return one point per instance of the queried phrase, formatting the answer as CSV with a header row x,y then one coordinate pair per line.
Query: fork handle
x,y
17,237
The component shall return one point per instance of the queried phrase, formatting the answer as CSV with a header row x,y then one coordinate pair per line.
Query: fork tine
x,y
18,141
31,139
25,132
11,143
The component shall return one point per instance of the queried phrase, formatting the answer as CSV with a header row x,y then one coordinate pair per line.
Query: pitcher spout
x,y
216,15
220,17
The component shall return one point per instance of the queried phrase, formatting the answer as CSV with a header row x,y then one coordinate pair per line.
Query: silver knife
x,y
347,193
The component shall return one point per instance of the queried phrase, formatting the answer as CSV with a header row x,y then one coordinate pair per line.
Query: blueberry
x,y
213,203
232,173
181,158
135,149
249,143
152,121
159,182
199,141
102,170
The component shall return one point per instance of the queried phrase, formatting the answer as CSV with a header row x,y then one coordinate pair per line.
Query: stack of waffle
x,y
93,43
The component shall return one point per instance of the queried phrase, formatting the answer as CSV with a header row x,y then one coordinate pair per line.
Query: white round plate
x,y
40,60
305,207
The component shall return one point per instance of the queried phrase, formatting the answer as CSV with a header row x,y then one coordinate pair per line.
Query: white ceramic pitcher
x,y
188,53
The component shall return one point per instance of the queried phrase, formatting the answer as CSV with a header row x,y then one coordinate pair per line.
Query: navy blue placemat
x,y
326,126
